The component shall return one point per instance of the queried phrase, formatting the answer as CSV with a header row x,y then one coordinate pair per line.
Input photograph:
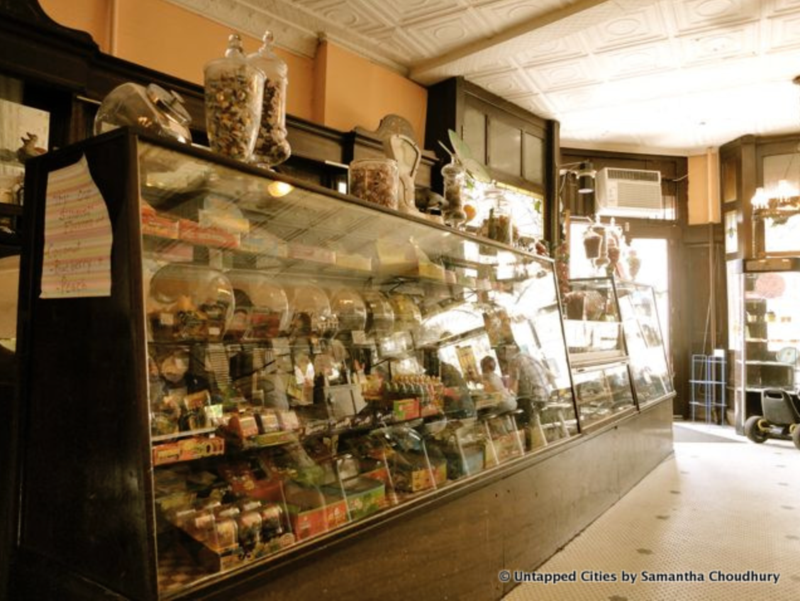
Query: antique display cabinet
x,y
229,377
274,363
766,331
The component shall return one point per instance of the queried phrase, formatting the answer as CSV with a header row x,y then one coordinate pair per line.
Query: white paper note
x,y
77,236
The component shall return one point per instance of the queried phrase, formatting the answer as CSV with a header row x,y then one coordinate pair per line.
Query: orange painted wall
x,y
172,40
338,89
359,92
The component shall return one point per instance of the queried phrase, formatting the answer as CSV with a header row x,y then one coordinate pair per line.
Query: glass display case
x,y
650,370
597,351
769,337
272,363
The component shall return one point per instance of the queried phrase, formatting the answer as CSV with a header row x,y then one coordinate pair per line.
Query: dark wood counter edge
x,y
257,572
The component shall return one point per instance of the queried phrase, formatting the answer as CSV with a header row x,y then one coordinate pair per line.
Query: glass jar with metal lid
x,y
234,93
152,108
272,147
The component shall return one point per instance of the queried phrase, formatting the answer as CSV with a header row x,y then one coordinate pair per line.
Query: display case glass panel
x,y
652,377
602,392
592,325
314,360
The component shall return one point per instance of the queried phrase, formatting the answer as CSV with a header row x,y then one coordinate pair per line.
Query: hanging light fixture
x,y
781,201
760,199
584,174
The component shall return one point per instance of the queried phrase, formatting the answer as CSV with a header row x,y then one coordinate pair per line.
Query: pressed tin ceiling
x,y
665,76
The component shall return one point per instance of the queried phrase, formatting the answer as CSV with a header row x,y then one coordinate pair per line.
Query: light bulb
x,y
760,199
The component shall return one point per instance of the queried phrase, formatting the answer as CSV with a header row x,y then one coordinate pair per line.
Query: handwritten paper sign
x,y
77,236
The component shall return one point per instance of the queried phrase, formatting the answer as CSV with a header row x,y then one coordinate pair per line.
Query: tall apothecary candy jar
x,y
234,93
272,147
454,183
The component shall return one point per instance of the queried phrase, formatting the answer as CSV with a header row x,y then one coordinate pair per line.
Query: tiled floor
x,y
721,505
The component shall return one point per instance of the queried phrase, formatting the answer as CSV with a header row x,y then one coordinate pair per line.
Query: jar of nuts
x,y
234,93
375,180
272,147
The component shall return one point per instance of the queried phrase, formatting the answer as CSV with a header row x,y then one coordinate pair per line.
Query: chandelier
x,y
780,202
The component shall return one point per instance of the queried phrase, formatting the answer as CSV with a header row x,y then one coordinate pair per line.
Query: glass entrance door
x,y
653,255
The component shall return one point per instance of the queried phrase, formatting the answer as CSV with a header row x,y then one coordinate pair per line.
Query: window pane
x,y
534,159
505,147
475,133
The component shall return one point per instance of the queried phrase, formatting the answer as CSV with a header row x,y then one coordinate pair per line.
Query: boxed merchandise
x,y
353,261
313,512
405,409
188,449
411,473
365,496
243,426
154,224
195,233
316,254
245,482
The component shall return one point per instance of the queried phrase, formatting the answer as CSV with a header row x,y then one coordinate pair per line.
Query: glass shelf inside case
x,y
592,322
315,360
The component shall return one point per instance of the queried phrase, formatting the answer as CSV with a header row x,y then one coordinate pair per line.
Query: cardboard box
x,y
154,224
365,496
405,409
244,483
312,521
188,449
311,253
207,236
413,475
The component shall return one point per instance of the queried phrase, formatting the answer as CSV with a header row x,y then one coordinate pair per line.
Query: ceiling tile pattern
x,y
673,76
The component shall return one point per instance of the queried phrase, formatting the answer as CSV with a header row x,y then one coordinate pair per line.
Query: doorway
x,y
653,254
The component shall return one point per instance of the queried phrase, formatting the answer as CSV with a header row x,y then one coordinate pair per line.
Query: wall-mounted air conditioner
x,y
632,192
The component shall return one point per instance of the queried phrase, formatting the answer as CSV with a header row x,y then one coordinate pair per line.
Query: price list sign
x,y
77,236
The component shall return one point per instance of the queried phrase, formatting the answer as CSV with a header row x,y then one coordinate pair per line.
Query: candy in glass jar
x,y
234,92
376,181
272,147
501,228
454,180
